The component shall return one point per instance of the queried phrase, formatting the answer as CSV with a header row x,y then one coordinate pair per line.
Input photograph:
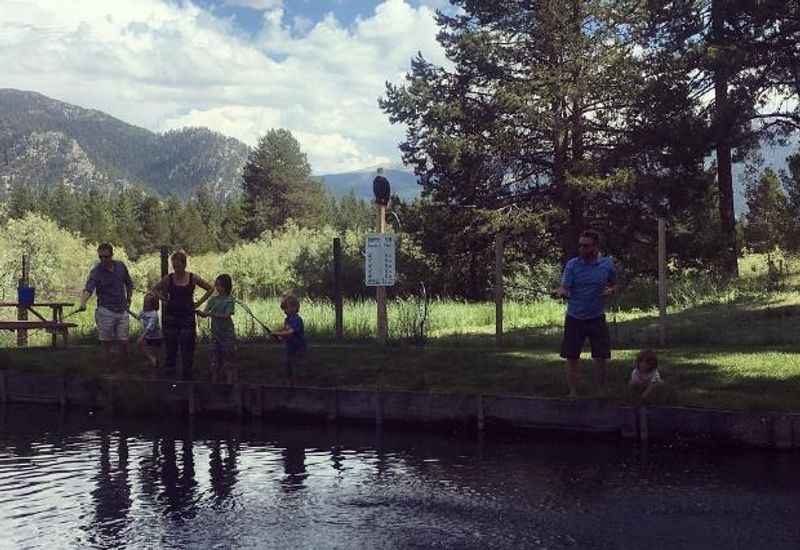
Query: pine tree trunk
x,y
723,128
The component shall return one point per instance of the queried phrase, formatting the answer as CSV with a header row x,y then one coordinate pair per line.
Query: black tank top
x,y
181,298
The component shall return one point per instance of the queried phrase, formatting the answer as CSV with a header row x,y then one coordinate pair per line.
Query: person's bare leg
x,y
572,376
600,374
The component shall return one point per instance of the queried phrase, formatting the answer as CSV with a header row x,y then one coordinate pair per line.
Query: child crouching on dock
x,y
220,309
645,377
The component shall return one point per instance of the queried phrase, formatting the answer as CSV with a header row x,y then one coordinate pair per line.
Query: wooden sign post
x,y
380,291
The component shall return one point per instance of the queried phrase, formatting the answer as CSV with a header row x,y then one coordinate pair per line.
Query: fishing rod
x,y
253,316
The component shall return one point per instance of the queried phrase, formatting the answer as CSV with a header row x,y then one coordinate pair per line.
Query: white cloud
x,y
244,123
256,4
301,24
164,65
441,5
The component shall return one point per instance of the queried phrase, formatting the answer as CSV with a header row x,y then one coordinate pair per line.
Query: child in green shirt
x,y
220,308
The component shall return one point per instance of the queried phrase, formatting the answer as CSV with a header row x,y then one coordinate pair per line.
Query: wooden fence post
x,y
337,287
499,249
22,312
164,261
662,282
164,271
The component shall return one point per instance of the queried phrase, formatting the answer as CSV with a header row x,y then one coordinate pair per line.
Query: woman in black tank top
x,y
176,291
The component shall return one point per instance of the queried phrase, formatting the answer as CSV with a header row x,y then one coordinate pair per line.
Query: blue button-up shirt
x,y
586,282
112,286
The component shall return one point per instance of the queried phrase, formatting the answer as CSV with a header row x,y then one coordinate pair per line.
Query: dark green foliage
x,y
21,199
350,212
97,221
791,185
152,220
191,233
744,53
767,216
127,230
549,122
451,250
278,186
139,222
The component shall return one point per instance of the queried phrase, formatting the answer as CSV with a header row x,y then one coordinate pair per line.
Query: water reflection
x,y
222,469
112,494
294,466
255,486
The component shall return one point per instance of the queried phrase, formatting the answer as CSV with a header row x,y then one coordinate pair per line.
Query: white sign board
x,y
380,269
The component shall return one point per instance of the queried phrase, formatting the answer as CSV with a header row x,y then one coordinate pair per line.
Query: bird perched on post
x,y
381,189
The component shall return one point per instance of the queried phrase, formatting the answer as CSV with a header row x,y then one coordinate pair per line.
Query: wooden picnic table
x,y
54,325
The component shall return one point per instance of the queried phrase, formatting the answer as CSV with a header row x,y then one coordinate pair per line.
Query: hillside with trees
x,y
44,143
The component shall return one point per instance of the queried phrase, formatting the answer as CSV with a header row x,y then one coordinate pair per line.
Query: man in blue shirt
x,y
114,287
587,279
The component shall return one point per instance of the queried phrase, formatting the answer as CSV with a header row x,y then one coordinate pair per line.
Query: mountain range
x,y
44,141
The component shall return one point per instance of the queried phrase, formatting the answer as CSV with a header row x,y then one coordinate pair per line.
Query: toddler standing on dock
x,y
293,333
150,340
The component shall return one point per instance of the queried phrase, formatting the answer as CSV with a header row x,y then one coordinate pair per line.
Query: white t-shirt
x,y
645,378
149,320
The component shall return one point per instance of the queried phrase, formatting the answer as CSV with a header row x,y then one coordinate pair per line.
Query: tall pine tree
x,y
767,215
277,185
741,56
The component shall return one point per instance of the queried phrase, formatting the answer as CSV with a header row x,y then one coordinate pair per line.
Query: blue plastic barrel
x,y
26,295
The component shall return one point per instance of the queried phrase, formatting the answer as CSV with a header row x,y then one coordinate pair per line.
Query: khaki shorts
x,y
111,325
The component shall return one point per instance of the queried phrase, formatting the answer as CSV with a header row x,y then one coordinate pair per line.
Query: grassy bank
x,y
731,346
745,319
730,378
761,308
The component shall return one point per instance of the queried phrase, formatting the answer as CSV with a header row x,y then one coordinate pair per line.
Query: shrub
x,y
59,260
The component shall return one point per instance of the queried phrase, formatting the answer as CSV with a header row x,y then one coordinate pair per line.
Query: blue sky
x,y
240,67
250,20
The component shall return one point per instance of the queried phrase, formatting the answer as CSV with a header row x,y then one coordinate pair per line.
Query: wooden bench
x,y
54,327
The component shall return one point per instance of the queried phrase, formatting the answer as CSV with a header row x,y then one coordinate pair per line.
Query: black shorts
x,y
152,342
577,330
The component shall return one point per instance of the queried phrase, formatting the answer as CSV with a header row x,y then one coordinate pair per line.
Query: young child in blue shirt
x,y
293,334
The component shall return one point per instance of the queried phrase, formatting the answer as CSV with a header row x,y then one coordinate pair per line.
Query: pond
x,y
75,480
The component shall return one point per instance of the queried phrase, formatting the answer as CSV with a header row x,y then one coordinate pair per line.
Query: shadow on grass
x,y
694,377
750,321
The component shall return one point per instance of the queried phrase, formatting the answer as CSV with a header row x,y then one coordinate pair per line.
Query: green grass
x,y
732,378
729,346
757,310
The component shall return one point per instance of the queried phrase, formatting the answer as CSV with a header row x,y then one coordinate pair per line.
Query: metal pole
x,y
337,287
380,292
662,282
499,249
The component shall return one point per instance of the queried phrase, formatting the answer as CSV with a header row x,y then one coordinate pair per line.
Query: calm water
x,y
78,481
